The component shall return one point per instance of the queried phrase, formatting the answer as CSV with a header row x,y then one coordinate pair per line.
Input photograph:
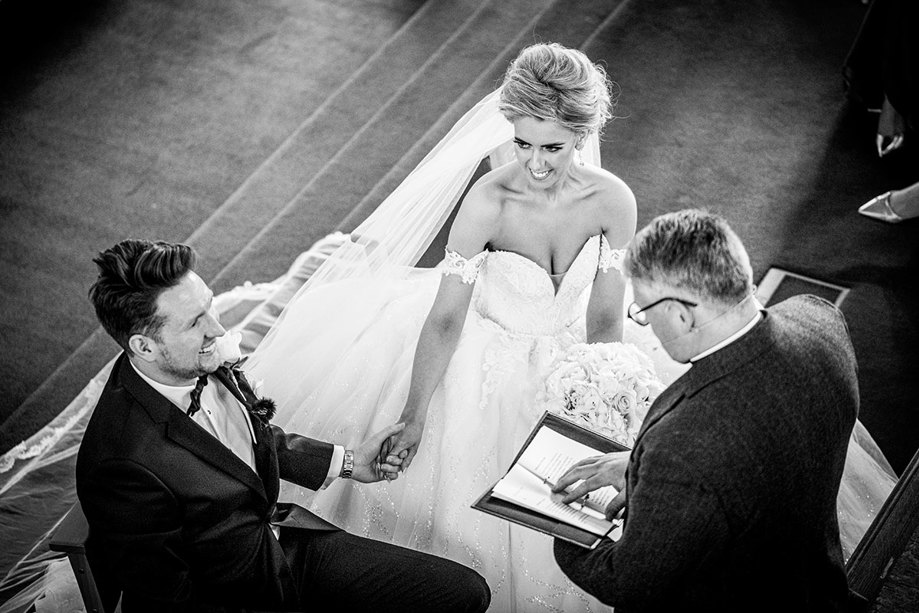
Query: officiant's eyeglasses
x,y
638,314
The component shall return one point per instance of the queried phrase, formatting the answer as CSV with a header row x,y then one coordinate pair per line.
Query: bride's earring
x,y
578,150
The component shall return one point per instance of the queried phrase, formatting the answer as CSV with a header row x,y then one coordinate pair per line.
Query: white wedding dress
x,y
339,366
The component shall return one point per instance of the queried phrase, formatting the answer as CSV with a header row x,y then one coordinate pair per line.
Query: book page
x,y
550,454
524,488
530,480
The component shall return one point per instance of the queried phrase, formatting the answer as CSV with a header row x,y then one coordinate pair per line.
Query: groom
x,y
730,489
179,466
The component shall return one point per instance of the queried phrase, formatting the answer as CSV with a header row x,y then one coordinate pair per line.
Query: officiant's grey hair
x,y
132,275
695,251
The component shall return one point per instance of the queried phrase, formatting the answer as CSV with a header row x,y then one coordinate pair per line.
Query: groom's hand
x,y
367,465
402,447
594,473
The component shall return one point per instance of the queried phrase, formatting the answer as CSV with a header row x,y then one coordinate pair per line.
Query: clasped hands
x,y
396,452
370,465
594,473
388,452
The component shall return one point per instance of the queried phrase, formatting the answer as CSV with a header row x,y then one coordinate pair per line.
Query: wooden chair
x,y
885,539
70,538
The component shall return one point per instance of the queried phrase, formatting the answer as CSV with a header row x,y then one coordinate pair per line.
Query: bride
x,y
459,353
531,267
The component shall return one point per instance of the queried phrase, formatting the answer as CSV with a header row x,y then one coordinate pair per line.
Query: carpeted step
x,y
319,137
410,123
140,119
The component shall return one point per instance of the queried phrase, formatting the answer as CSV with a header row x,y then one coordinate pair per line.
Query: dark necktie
x,y
195,404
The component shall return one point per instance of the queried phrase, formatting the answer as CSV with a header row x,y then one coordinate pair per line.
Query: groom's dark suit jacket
x,y
175,516
733,478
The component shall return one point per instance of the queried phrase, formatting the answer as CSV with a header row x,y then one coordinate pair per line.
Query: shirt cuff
x,y
335,464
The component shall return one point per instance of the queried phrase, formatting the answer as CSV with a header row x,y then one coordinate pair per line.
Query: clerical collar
x,y
749,326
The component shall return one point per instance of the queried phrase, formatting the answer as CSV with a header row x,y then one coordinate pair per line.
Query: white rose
x,y
577,375
228,346
608,384
591,399
625,402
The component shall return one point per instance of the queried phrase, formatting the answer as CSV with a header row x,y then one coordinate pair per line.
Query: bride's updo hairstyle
x,y
552,82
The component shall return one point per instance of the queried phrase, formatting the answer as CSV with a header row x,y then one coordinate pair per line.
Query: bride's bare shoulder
x,y
499,180
487,195
613,206
611,189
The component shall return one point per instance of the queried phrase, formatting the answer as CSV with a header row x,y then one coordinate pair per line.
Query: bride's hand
x,y
402,446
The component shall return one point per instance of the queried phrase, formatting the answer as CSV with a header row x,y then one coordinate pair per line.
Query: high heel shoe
x,y
879,208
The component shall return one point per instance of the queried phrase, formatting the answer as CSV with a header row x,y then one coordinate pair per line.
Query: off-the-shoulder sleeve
x,y
468,270
609,257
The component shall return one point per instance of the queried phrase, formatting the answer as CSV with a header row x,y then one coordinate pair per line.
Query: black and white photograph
x,y
572,306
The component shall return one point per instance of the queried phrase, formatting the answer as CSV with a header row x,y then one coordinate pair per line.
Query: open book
x,y
524,494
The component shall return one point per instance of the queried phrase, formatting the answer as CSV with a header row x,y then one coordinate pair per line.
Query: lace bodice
x,y
520,296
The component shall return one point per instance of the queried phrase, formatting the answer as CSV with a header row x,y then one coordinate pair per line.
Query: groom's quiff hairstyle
x,y
132,275
695,251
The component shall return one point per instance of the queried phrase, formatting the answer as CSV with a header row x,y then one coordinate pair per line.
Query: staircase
x,y
347,154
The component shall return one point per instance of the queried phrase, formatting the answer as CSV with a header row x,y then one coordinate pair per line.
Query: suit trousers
x,y
338,571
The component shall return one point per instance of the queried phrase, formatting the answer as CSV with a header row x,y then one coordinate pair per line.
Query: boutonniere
x,y
231,356
263,407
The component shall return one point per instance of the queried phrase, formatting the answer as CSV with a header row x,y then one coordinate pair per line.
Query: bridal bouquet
x,y
607,387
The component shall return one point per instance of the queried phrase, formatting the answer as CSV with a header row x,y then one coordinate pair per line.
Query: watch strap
x,y
347,464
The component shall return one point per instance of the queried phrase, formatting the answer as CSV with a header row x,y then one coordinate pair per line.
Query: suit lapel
x,y
262,445
183,431
226,377
663,404
180,429
266,459
735,356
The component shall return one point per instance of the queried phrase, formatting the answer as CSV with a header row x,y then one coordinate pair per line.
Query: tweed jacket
x,y
732,482
175,516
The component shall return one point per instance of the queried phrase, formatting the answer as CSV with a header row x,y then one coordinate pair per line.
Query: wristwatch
x,y
347,465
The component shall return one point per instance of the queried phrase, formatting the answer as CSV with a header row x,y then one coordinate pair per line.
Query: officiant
x,y
179,468
730,489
